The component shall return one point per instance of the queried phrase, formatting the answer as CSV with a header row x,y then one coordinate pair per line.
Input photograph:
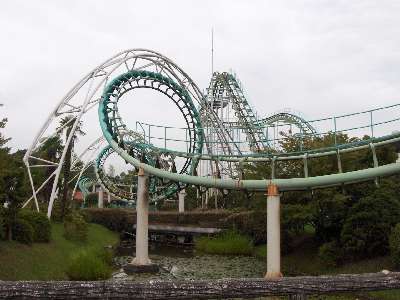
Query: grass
x,y
304,261
91,264
227,243
48,261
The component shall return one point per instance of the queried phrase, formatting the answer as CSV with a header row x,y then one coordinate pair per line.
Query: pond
x,y
185,263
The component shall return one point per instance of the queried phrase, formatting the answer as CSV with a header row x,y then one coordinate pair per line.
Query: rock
x,y
174,270
119,275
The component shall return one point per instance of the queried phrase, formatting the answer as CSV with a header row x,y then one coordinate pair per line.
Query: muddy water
x,y
178,263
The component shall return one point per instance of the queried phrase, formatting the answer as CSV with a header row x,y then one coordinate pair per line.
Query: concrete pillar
x,y
273,233
216,198
108,198
181,199
142,220
101,198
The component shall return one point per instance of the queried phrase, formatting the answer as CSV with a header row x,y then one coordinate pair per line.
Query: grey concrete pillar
x,y
142,220
181,199
101,198
273,233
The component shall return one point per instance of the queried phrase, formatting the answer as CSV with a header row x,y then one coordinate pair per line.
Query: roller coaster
x,y
222,133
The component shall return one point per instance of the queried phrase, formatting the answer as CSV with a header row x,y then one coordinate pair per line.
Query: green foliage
x,y
50,150
22,231
227,243
40,224
260,251
366,230
66,125
90,264
329,210
13,185
331,254
250,223
75,228
2,224
295,217
91,200
115,219
48,261
394,244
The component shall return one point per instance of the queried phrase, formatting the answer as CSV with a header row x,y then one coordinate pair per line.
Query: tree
x,y
12,182
50,150
367,228
66,125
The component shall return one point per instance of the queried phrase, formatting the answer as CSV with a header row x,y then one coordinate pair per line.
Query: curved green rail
x,y
115,130
110,128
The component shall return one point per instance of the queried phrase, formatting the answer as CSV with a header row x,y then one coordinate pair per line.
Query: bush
x,y
394,244
75,228
366,229
40,224
116,219
90,264
22,231
227,243
331,254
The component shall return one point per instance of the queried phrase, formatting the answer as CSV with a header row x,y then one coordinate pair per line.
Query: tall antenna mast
x,y
212,51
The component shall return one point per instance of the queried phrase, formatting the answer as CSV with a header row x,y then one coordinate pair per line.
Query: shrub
x,y
254,225
331,254
229,242
116,219
90,264
394,243
75,228
22,231
366,229
40,224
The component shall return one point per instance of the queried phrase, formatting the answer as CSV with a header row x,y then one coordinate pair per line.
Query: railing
x,y
372,125
294,287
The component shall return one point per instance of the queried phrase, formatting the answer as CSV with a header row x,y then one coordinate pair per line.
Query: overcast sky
x,y
317,57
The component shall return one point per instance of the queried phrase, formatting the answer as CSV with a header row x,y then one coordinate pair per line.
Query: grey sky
x,y
318,57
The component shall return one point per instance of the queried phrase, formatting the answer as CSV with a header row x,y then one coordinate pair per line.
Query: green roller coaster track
x,y
209,139
111,134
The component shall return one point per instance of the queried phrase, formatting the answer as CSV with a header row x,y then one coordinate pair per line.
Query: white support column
x,y
273,233
142,220
216,198
101,198
181,199
108,198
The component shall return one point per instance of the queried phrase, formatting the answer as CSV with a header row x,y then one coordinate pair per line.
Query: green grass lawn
x,y
48,261
227,243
